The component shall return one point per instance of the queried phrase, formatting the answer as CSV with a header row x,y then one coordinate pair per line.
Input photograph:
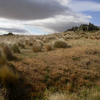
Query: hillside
x,y
85,27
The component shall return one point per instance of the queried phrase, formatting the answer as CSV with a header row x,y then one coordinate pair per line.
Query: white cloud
x,y
11,26
59,23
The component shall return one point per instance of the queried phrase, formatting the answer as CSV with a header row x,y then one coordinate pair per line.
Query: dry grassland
x,y
71,73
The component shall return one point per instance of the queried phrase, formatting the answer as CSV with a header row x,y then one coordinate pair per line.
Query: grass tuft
x,y
15,48
2,57
7,50
8,78
36,48
60,44
48,47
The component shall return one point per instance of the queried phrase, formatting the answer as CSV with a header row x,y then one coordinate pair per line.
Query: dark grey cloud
x,y
13,30
30,9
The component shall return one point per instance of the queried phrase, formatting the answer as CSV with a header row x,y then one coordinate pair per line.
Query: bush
x,y
15,48
6,50
60,44
48,47
8,78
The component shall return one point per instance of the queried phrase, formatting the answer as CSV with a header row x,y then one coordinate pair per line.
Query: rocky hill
x,y
84,27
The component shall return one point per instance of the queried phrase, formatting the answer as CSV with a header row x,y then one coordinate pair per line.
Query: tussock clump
x,y
26,42
48,47
84,94
15,48
7,50
1,97
44,40
30,44
60,44
58,96
8,78
2,57
38,42
21,45
37,48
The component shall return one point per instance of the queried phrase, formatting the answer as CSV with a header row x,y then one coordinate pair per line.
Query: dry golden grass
x,y
60,44
36,48
64,69
7,50
21,45
15,48
44,40
1,98
84,94
26,42
2,57
30,44
58,96
48,47
8,78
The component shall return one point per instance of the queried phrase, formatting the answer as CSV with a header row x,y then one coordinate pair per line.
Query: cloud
x,y
47,15
59,23
30,9
13,30
81,6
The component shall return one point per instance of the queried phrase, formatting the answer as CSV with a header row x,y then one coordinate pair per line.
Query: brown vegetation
x,y
6,50
60,44
67,73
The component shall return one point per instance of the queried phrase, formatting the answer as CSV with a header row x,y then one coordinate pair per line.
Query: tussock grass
x,y
26,42
84,94
21,45
2,57
15,48
58,96
7,50
1,97
60,44
44,40
48,47
8,78
39,42
36,48
30,44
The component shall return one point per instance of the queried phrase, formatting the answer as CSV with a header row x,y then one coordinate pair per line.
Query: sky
x,y
39,17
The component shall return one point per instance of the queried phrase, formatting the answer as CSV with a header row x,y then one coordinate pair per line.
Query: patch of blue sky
x,y
36,31
90,0
95,16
